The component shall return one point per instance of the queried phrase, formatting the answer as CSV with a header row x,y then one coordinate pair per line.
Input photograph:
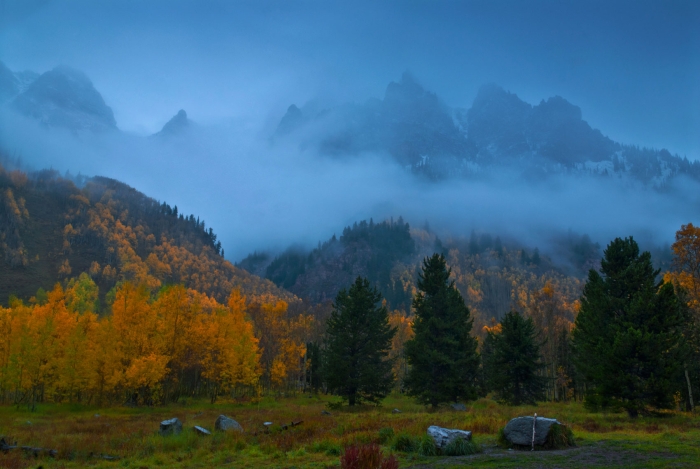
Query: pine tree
x,y
314,377
627,340
442,354
515,361
356,363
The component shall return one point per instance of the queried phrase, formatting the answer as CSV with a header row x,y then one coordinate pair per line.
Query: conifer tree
x,y
628,340
442,354
514,361
356,363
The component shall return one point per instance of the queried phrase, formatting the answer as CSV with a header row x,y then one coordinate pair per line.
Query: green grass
x,y
131,434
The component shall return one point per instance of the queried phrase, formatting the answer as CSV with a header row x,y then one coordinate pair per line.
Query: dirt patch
x,y
594,455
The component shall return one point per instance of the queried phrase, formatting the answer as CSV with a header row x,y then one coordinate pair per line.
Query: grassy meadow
x,y
82,435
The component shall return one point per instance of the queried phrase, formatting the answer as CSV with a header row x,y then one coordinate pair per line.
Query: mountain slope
x,y
51,230
493,276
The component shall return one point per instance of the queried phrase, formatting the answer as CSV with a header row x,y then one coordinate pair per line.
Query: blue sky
x,y
632,66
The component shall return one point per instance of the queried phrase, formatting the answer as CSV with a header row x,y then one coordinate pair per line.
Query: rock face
x,y
14,83
445,436
201,431
519,430
170,427
224,424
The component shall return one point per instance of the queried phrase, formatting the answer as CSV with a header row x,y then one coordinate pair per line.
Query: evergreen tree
x,y
628,341
356,364
487,360
498,246
442,354
314,376
514,361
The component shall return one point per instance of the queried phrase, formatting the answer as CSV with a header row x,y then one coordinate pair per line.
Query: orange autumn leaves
x,y
148,350
686,261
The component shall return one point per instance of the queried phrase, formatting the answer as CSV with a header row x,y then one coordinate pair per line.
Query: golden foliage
x,y
686,262
149,349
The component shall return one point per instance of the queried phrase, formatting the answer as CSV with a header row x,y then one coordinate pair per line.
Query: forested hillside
x,y
51,230
493,276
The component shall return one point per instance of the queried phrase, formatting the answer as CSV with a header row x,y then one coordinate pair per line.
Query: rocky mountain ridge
x,y
500,132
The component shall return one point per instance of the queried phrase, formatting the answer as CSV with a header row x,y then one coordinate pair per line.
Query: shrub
x,y
390,463
366,457
460,447
334,405
426,446
325,446
502,440
405,443
560,436
385,435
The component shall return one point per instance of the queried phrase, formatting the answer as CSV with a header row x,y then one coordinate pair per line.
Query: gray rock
x,y
224,423
325,412
396,411
458,406
201,430
170,427
519,430
445,436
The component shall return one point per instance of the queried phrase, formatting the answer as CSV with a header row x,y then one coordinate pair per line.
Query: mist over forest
x,y
275,152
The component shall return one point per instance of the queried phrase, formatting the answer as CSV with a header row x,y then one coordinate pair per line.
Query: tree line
x,y
148,349
633,344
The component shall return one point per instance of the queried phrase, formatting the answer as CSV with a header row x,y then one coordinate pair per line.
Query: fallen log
x,y
5,447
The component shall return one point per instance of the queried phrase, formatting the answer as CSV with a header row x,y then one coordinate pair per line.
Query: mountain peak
x,y
178,124
65,97
559,108
406,90
290,121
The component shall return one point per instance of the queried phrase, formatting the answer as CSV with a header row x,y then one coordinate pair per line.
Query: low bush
x,y
367,457
325,446
385,435
560,436
426,446
460,447
405,443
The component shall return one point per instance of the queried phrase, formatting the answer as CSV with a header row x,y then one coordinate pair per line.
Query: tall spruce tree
x,y
356,363
627,340
514,361
442,354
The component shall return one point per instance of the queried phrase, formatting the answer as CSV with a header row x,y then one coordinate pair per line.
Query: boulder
x,y
396,411
445,436
458,406
224,423
170,427
519,430
201,431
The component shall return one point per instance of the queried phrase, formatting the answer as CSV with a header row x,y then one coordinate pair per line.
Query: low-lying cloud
x,y
257,194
